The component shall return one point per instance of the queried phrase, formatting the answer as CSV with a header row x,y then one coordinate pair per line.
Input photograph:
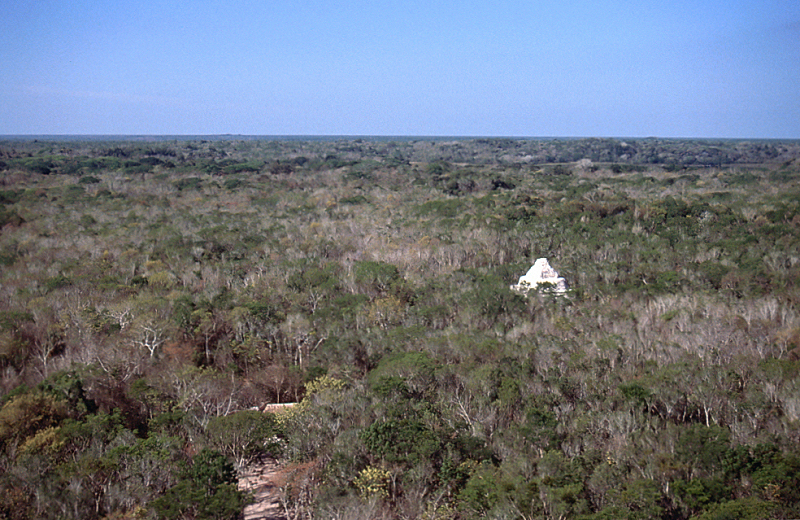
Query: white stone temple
x,y
541,274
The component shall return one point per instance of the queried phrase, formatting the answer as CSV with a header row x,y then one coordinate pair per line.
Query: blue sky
x,y
606,68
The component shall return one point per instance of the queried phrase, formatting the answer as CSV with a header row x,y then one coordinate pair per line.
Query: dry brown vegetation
x,y
151,293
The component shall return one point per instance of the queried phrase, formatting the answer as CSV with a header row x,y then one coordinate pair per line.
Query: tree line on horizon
x,y
59,156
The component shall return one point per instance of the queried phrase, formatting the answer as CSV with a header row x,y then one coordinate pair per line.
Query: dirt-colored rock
x,y
259,478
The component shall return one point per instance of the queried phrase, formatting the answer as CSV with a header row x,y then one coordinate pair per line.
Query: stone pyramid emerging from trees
x,y
541,274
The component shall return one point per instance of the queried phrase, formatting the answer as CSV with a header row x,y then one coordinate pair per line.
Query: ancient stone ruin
x,y
541,274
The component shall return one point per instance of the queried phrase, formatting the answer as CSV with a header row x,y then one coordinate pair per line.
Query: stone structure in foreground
x,y
541,274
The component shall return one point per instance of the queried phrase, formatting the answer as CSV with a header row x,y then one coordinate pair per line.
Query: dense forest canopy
x,y
155,295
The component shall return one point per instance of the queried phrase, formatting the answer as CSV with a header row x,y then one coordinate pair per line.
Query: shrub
x,y
244,435
377,276
28,413
206,490
402,441
373,482
189,183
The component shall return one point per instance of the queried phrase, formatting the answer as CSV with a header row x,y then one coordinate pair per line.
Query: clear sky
x,y
605,68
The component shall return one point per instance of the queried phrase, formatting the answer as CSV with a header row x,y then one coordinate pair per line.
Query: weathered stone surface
x,y
541,274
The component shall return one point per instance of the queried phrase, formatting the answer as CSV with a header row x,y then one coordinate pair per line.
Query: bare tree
x,y
45,347
48,337
150,338
205,393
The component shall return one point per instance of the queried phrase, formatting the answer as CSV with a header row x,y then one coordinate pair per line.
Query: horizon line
x,y
381,137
